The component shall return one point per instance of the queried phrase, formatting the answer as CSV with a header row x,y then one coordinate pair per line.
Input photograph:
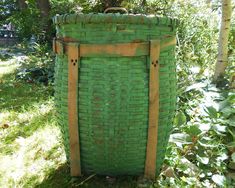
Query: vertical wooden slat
x,y
73,62
151,152
54,45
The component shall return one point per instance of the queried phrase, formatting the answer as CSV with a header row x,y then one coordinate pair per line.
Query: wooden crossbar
x,y
111,50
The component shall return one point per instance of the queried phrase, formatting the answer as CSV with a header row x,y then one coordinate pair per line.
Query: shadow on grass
x,y
61,178
17,97
24,130
17,94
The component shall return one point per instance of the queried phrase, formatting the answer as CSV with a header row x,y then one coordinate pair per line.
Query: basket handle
x,y
115,8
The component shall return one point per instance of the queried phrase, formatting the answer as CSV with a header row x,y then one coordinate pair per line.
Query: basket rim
x,y
115,18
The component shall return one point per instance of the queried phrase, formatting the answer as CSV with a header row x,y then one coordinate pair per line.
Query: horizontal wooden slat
x,y
167,42
112,50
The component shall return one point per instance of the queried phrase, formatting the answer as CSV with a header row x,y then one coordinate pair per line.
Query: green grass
x,y
29,138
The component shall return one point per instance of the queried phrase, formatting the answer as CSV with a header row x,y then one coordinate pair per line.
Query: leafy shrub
x,y
38,67
26,22
4,57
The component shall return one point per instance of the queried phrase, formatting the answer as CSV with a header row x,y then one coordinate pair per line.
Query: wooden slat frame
x,y
73,62
151,152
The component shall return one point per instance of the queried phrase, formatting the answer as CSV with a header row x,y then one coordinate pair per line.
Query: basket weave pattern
x,y
113,96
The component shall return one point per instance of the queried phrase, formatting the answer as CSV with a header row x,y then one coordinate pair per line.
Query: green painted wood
x,y
114,91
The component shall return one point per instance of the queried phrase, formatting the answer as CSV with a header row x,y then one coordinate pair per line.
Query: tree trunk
x,y
44,8
111,3
222,60
21,4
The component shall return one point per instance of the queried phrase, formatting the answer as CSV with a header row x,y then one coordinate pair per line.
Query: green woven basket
x,y
113,92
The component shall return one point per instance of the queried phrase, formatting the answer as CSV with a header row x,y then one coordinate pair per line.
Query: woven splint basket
x,y
115,91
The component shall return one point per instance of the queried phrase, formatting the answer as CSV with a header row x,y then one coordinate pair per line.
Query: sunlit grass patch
x,y
7,67
30,145
24,122
34,156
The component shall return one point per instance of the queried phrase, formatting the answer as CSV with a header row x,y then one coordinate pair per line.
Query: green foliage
x,y
66,7
201,150
197,41
23,22
159,7
5,56
7,7
38,67
180,119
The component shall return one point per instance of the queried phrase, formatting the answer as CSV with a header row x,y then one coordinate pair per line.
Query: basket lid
x,y
115,18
